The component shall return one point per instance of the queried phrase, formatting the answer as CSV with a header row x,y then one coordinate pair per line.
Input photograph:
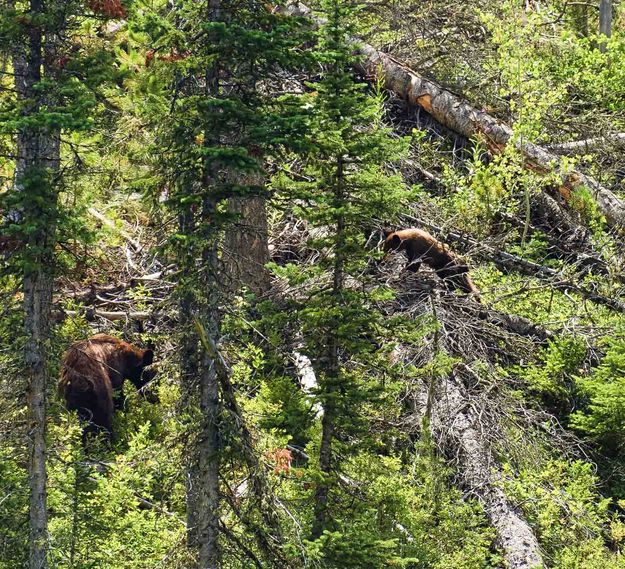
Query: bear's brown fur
x,y
93,369
421,247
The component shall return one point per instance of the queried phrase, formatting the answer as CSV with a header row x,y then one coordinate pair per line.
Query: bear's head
x,y
136,371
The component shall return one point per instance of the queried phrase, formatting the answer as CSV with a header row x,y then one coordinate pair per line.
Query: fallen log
x,y
588,144
92,314
454,422
458,115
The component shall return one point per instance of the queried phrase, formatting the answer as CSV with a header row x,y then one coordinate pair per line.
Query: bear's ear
x,y
148,357
394,242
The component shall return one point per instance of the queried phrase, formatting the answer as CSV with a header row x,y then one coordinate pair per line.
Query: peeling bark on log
x,y
457,114
455,423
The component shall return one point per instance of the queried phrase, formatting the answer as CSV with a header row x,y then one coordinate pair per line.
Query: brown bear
x,y
93,369
420,247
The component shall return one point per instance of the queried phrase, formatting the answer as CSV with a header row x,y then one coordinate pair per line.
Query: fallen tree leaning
x,y
455,422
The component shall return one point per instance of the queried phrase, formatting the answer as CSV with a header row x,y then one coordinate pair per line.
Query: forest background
x,y
212,178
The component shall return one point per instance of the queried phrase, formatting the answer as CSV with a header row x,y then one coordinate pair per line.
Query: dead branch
x,y
111,225
589,144
92,314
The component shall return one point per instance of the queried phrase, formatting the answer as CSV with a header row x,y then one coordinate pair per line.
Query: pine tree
x,y
215,123
344,190
52,91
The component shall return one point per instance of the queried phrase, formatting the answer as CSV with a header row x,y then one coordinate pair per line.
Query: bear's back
x,y
97,362
420,243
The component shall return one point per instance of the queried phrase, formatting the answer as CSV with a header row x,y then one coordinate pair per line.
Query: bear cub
x,y
421,247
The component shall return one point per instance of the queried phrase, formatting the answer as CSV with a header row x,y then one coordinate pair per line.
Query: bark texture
x,y
454,421
268,535
36,168
458,115
589,144
208,464
605,21
189,345
246,246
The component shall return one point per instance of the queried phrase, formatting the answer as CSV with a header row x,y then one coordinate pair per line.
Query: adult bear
x,y
93,369
420,247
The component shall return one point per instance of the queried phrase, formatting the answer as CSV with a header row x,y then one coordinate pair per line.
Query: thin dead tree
x,y
605,22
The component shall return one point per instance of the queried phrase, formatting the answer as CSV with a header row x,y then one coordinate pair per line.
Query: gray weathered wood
x,y
605,21
455,421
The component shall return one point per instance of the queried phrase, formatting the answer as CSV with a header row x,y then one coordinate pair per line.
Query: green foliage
x,y
572,521
342,185
525,80
13,508
188,109
114,513
408,515
553,375
602,417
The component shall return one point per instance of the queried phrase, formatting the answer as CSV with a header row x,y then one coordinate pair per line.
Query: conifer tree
x,y
215,123
345,191
53,90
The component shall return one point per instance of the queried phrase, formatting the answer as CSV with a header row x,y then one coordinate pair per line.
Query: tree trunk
x,y
209,499
453,417
589,144
270,543
208,505
189,380
333,366
37,165
246,249
37,301
458,115
605,21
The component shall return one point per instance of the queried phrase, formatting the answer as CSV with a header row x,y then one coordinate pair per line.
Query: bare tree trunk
x,y
269,543
246,246
200,301
37,301
457,114
589,144
605,21
189,378
209,463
